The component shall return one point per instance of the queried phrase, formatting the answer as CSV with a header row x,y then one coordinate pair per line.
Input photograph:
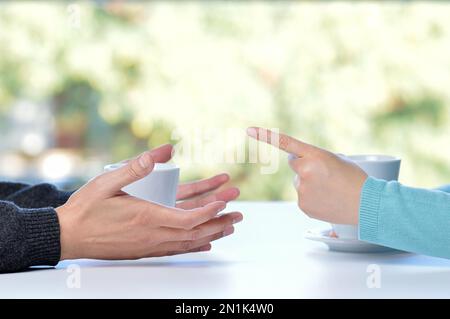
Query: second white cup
x,y
378,166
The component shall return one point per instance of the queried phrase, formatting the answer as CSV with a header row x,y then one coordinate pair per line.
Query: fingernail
x,y
206,248
251,131
173,152
228,231
238,219
222,206
144,160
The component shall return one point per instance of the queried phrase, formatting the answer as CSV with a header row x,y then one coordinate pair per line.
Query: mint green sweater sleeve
x,y
445,188
405,218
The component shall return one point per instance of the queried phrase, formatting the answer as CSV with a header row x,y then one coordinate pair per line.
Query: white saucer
x,y
345,244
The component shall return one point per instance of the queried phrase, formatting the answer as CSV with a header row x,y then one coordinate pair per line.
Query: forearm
x,y
28,237
406,218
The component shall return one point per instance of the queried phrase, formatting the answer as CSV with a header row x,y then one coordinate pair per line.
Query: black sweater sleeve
x,y
28,237
29,227
33,196
8,188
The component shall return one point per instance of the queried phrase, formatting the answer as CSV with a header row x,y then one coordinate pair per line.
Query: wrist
x,y
357,200
66,239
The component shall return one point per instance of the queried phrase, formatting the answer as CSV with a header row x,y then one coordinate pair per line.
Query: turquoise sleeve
x,y
445,188
405,218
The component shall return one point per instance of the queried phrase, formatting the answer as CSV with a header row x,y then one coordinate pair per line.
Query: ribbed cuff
x,y
42,236
369,209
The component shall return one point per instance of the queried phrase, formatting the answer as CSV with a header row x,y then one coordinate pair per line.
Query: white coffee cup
x,y
160,186
379,166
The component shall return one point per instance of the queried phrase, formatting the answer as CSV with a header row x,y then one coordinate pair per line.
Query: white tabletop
x,y
267,257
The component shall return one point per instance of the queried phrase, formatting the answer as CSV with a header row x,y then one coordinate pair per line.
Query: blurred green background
x,y
83,84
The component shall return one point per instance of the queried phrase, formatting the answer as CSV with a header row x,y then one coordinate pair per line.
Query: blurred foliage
x,y
428,110
352,77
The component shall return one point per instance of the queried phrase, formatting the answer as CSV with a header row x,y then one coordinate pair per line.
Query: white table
x,y
267,257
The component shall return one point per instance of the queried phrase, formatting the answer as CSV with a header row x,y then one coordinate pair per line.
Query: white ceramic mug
x,y
160,186
378,166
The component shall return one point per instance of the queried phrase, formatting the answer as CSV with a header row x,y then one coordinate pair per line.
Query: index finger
x,y
282,141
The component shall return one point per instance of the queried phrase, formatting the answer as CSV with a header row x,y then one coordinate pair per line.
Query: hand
x,y
203,192
200,193
328,186
102,222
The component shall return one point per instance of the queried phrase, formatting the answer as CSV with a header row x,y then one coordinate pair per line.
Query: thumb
x,y
133,170
129,172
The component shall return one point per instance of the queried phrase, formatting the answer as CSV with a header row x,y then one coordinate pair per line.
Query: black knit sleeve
x,y
39,195
28,237
8,188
